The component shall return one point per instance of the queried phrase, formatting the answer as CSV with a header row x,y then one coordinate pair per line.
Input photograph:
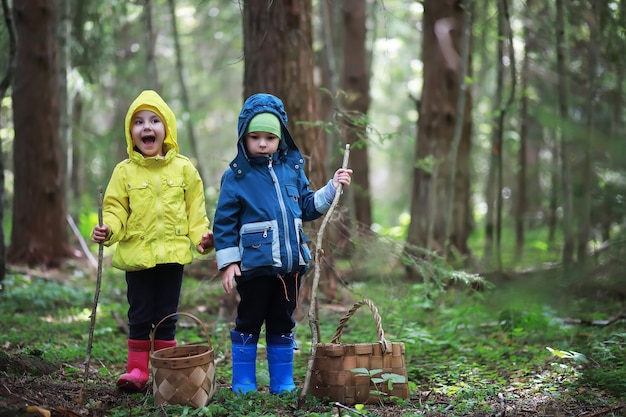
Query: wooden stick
x,y
313,321
94,307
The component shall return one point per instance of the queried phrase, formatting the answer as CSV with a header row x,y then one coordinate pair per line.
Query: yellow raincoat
x,y
154,206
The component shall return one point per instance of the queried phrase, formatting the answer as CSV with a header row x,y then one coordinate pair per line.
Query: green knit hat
x,y
265,122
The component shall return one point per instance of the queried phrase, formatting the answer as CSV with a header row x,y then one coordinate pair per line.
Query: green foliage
x,y
460,346
380,379
607,369
32,294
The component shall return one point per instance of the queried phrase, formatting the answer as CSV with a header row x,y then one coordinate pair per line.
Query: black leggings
x,y
153,294
269,299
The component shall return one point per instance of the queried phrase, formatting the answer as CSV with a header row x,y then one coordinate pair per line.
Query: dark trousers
x,y
153,294
269,299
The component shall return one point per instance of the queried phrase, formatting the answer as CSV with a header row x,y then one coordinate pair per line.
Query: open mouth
x,y
148,140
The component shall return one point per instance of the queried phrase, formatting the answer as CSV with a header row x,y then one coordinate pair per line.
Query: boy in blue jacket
x,y
259,241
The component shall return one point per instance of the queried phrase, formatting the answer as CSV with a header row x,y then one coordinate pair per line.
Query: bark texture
x,y
39,233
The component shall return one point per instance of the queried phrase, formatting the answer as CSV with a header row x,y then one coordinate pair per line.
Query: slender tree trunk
x,y
180,71
568,235
4,86
355,83
520,197
494,179
506,31
586,173
152,76
39,233
553,204
443,20
329,63
459,122
65,105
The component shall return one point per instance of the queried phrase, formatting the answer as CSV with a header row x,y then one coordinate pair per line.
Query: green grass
x,y
464,348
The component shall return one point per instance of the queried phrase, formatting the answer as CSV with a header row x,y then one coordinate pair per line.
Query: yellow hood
x,y
150,100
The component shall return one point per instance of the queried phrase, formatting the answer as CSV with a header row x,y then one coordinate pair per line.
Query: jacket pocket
x,y
305,252
140,200
304,257
256,248
292,193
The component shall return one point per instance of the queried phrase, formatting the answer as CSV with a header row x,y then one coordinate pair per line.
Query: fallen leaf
x,y
41,411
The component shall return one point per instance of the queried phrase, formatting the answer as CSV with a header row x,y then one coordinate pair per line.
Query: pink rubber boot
x,y
137,372
162,344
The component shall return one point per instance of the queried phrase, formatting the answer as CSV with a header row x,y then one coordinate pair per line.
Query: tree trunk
x,y
4,86
520,196
338,242
463,70
152,73
435,131
279,59
355,86
65,105
586,174
494,183
566,181
39,234
186,104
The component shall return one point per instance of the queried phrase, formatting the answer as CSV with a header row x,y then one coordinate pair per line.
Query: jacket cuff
x,y
324,197
227,256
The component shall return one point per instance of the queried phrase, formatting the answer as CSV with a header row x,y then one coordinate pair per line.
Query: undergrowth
x,y
467,351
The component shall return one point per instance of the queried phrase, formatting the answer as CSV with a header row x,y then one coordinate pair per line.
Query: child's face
x,y
148,133
261,143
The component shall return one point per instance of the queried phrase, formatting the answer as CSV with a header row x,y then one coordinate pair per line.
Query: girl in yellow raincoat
x,y
154,209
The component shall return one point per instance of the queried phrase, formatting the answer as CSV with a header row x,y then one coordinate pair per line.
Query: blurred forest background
x,y
486,135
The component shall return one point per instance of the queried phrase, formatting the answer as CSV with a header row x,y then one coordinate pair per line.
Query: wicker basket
x,y
184,374
332,374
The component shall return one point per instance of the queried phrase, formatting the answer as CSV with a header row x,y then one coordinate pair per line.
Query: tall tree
x,y
586,175
279,59
497,146
180,72
4,86
460,117
521,199
65,105
39,233
355,85
566,180
152,73
443,20
495,157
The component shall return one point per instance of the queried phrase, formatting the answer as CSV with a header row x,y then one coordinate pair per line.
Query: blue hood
x,y
263,103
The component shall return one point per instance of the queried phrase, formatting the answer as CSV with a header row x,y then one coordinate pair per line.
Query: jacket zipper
x,y
159,210
283,211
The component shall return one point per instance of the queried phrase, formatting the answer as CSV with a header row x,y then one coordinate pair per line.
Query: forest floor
x,y
32,386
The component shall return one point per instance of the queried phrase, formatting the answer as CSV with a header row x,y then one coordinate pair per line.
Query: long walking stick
x,y
313,321
94,307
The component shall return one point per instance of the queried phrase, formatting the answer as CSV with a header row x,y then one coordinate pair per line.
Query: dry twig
x,y
94,307
313,321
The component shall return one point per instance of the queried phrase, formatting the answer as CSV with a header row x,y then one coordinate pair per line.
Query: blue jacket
x,y
264,201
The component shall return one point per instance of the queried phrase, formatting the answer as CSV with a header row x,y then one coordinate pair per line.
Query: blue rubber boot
x,y
280,362
244,361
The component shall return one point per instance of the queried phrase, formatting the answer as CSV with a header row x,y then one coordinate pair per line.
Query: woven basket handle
x,y
385,345
206,332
